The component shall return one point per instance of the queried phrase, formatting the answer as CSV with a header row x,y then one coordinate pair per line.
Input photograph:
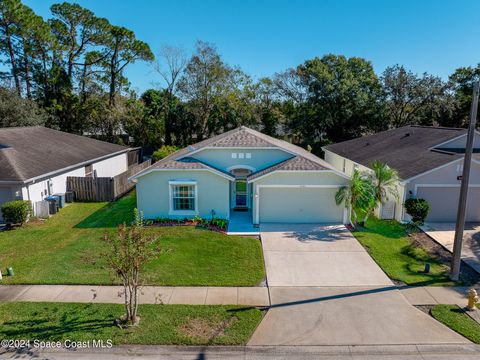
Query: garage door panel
x,y
299,205
444,203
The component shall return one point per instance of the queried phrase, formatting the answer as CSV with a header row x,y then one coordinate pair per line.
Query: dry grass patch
x,y
206,330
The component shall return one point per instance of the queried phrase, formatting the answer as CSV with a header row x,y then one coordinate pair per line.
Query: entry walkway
x,y
326,290
241,223
195,295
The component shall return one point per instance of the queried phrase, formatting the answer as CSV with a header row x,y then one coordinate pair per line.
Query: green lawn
x,y
160,324
389,245
66,249
456,319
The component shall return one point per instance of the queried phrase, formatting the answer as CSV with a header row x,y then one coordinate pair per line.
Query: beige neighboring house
x,y
429,161
35,161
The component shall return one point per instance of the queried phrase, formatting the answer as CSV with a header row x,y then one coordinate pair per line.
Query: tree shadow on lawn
x,y
112,214
43,328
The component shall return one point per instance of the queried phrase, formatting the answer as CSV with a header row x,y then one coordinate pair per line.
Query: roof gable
x,y
242,137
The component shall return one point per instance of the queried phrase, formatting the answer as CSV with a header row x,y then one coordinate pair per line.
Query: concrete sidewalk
x,y
432,295
196,295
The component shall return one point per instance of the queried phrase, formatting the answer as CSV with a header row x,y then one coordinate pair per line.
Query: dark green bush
x,y
418,209
17,211
163,152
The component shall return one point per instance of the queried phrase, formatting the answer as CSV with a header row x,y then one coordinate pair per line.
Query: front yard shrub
x,y
17,211
418,209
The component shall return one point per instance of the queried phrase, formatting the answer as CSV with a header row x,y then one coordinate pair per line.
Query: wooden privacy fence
x,y
103,188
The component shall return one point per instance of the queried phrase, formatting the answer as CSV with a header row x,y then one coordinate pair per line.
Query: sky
x,y
265,37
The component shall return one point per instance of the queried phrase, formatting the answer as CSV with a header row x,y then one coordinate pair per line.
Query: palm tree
x,y
359,194
385,180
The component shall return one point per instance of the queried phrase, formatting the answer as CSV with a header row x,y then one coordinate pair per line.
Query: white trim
x,y
433,170
441,186
258,187
300,172
248,167
235,148
148,171
172,183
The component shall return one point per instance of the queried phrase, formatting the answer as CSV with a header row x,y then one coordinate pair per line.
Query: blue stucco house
x,y
242,171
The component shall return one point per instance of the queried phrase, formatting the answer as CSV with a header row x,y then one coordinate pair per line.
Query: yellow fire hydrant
x,y
472,299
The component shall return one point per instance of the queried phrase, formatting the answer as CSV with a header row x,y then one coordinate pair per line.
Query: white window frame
x,y
171,184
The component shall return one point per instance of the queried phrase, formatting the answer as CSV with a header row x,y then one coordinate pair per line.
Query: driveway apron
x,y
326,290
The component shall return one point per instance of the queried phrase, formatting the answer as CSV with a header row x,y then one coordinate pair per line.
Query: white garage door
x,y
444,203
299,205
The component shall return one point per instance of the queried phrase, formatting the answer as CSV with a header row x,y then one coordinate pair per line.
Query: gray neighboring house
x,y
35,161
429,161
242,170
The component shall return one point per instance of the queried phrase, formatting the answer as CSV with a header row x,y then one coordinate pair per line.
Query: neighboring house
x,y
429,161
35,161
242,170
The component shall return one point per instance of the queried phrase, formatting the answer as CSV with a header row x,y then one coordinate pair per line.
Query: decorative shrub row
x,y
216,224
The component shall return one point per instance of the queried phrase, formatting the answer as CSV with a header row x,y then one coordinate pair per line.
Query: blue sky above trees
x,y
264,37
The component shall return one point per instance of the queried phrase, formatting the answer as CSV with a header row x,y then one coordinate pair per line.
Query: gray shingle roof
x,y
30,152
406,149
185,163
243,137
297,163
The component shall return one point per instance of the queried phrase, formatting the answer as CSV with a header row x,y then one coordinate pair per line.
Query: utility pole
x,y
462,202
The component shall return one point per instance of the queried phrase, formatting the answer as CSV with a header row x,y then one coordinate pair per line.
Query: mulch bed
x,y
467,274
189,223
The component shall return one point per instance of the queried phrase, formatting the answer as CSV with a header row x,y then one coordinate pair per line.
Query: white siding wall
x,y
343,164
38,190
105,168
112,166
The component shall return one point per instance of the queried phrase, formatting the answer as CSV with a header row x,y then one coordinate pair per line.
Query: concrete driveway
x,y
317,255
444,234
326,290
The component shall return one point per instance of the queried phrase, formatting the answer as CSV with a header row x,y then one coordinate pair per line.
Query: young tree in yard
x,y
384,180
127,254
359,194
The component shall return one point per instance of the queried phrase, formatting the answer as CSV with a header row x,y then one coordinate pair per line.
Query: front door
x,y
240,193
